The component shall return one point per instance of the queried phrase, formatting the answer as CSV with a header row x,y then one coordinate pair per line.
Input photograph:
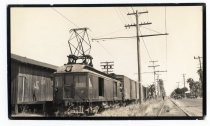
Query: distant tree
x,y
151,91
200,73
178,91
195,87
183,90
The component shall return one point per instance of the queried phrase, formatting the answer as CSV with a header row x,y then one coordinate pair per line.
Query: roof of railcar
x,y
123,76
75,68
32,62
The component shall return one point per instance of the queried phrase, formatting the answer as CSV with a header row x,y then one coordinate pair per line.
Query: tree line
x,y
196,88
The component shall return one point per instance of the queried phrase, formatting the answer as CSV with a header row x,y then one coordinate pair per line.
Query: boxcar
x,y
79,88
130,88
31,84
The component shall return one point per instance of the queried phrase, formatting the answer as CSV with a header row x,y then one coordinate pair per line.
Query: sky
x,y
42,34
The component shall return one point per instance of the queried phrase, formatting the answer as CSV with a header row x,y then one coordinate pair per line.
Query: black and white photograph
x,y
111,61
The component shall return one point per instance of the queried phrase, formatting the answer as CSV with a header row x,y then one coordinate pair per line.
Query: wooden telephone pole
x,y
200,67
138,47
107,66
137,25
199,59
184,79
154,67
155,73
178,84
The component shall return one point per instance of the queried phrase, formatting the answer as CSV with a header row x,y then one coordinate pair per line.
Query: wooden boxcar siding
x,y
119,93
14,81
127,87
58,87
133,89
108,88
36,80
130,88
137,86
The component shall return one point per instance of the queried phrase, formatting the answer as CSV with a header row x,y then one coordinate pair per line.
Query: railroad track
x,y
165,109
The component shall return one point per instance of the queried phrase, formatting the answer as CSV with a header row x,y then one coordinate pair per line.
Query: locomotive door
x,y
69,86
58,88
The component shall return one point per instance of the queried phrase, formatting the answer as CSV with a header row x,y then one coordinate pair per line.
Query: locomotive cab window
x,y
69,80
101,86
80,81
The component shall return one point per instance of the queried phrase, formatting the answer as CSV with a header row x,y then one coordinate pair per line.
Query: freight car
x,y
80,89
31,85
130,89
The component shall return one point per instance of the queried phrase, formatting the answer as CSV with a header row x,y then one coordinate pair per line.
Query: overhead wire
x,y
64,17
122,21
147,15
104,48
130,17
132,9
67,19
144,42
145,46
122,14
118,15
110,33
151,29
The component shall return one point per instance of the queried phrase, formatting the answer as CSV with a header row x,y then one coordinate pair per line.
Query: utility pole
x,y
137,25
154,66
200,66
183,79
199,59
178,84
158,86
138,47
200,73
107,66
154,73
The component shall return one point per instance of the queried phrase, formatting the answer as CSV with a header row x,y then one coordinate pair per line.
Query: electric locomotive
x,y
81,89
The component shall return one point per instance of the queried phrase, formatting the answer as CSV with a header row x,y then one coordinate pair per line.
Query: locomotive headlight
x,y
68,68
